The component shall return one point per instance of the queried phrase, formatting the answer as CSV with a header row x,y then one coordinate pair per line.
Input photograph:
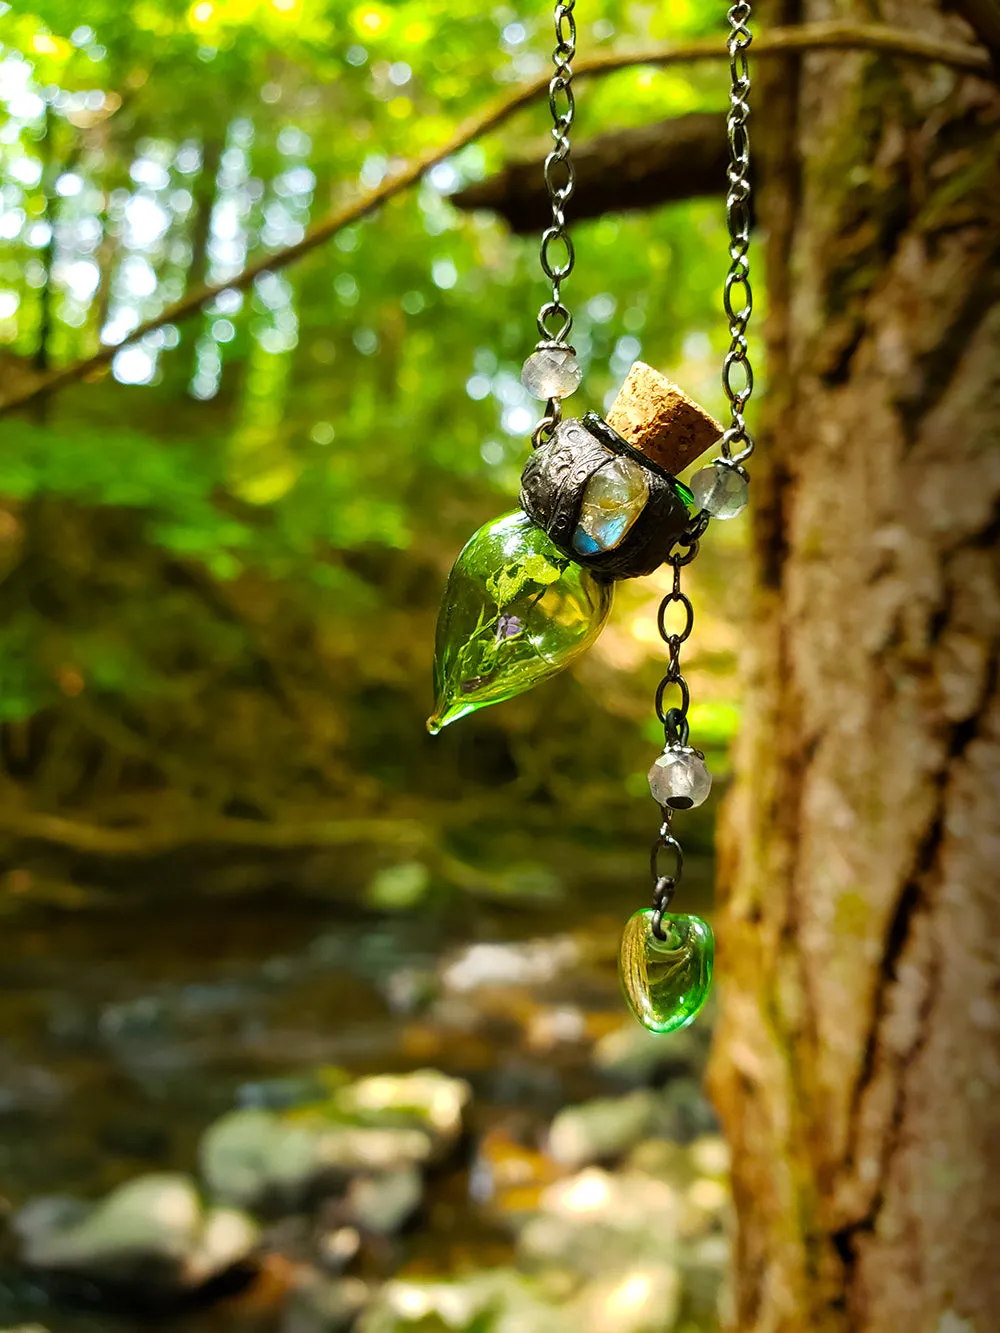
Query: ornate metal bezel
x,y
555,478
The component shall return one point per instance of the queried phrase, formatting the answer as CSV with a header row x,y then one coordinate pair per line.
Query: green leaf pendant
x,y
667,981
515,611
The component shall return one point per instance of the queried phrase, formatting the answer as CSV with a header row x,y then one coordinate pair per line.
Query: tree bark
x,y
857,1063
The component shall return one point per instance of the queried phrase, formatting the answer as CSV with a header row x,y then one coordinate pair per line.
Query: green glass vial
x,y
515,611
666,981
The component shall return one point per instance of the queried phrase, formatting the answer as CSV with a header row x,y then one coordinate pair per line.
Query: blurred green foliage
x,y
222,560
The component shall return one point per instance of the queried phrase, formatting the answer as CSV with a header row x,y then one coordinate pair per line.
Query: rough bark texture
x,y
857,1064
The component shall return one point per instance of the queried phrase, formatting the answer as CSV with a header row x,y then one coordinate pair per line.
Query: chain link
x,y
737,380
664,886
737,300
674,719
675,728
557,256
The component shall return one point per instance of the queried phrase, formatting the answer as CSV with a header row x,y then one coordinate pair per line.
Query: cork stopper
x,y
660,420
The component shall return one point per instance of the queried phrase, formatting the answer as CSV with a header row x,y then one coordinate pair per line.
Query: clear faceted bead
x,y
721,490
680,779
551,372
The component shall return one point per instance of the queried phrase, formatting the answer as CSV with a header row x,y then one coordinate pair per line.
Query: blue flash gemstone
x,y
615,497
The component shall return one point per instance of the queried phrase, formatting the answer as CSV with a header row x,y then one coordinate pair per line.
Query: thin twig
x,y
146,840
781,41
405,837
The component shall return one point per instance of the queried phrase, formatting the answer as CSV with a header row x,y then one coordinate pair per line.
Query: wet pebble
x,y
319,1304
153,1231
632,1056
600,1130
382,1204
375,1127
500,1301
431,1099
598,1222
528,963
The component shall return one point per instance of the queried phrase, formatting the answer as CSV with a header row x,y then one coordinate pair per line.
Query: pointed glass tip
x,y
437,722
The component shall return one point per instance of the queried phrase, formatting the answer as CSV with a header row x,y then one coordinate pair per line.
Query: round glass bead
x,y
680,779
551,372
721,490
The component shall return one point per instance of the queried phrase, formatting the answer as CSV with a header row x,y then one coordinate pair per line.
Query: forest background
x,y
223,556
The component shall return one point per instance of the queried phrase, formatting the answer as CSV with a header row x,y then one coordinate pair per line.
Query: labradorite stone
x,y
615,497
666,981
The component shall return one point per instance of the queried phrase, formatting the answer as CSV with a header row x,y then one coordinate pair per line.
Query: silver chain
x,y
737,286
560,178
675,719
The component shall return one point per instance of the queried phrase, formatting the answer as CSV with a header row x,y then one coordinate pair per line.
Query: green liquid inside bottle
x,y
515,612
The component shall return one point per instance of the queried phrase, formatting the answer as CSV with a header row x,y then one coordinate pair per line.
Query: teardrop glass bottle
x,y
515,612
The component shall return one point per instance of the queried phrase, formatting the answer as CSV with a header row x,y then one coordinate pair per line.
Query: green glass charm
x,y
667,981
515,611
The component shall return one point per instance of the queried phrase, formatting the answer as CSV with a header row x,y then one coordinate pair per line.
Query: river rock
x,y
710,1156
278,1094
635,1300
638,1299
152,1231
496,1301
682,1165
319,1304
261,1160
601,1129
683,1112
533,963
252,1155
601,1224
380,1126
704,1206
431,1100
635,1057
382,1204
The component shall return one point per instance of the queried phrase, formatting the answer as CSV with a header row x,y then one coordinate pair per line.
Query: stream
x,y
123,1038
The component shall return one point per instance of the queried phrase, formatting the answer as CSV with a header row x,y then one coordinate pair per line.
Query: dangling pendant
x,y
666,981
665,963
600,501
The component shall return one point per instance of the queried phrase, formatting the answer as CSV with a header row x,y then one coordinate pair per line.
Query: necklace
x,y
600,502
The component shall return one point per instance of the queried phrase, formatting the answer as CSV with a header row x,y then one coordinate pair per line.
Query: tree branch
x,y
149,840
682,158
779,42
984,17
405,837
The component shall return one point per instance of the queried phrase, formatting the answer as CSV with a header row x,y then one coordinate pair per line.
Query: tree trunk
x,y
857,1063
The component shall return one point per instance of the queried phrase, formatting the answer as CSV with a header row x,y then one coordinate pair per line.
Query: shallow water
x,y
122,1038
